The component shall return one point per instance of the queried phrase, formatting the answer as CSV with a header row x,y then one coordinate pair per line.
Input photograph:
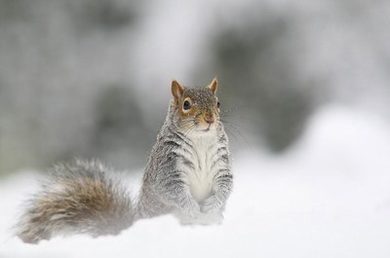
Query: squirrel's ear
x,y
213,86
177,90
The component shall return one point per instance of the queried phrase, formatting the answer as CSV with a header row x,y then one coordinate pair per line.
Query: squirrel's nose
x,y
209,119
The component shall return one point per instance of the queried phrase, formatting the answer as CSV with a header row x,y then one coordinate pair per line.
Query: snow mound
x,y
328,197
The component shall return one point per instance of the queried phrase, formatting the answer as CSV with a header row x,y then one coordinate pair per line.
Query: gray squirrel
x,y
188,174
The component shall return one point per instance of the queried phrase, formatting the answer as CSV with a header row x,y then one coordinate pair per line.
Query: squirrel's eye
x,y
186,105
218,104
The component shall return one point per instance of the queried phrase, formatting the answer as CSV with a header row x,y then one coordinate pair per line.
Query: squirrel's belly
x,y
200,185
201,178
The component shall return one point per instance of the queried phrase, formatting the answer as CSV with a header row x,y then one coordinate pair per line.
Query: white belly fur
x,y
200,180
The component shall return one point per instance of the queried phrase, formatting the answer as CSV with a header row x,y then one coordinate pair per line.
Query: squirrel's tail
x,y
81,197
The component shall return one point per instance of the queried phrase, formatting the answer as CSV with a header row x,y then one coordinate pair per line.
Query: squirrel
x,y
188,174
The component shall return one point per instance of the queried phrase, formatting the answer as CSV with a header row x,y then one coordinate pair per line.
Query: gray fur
x,y
80,197
165,189
187,174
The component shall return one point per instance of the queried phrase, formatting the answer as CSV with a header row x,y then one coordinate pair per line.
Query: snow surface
x,y
328,197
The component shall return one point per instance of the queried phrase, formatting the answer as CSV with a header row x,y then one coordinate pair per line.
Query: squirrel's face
x,y
196,109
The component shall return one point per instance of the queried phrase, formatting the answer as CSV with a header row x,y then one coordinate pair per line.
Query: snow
x,y
327,197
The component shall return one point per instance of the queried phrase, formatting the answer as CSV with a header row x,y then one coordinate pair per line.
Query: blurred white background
x,y
91,78
304,86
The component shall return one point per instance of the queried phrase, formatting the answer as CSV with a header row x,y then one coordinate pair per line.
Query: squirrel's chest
x,y
201,172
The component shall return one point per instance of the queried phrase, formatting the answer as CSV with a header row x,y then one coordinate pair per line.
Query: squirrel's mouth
x,y
207,129
203,127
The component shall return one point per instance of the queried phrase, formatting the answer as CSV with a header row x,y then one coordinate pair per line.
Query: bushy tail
x,y
81,197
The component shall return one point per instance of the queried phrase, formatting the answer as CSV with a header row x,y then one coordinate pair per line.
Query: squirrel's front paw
x,y
188,214
189,219
210,205
207,213
192,210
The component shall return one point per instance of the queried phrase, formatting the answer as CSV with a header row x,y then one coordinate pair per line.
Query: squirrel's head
x,y
196,109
